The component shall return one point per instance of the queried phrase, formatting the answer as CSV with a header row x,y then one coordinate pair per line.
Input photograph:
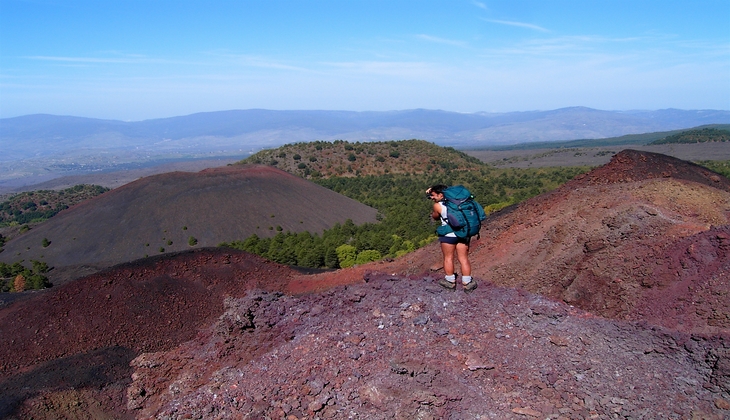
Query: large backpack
x,y
464,214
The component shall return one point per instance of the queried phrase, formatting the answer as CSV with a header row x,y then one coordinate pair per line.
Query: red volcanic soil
x,y
81,336
614,241
607,298
162,212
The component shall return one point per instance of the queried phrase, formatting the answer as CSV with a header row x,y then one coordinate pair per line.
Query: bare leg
x,y
448,251
462,253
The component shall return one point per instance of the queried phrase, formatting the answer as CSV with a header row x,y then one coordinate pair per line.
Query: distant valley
x,y
38,148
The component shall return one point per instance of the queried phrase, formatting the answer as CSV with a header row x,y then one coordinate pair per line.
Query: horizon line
x,y
366,111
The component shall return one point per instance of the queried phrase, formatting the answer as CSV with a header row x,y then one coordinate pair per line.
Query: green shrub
x,y
346,255
39,267
367,256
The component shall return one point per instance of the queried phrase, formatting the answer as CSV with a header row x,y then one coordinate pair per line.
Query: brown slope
x,y
143,305
624,241
76,340
633,165
213,206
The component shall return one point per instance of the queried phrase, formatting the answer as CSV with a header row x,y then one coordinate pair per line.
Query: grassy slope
x,y
702,135
630,139
36,206
341,158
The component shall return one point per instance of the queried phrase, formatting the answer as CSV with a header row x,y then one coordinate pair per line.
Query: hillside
x,y
609,241
322,159
596,156
701,135
161,213
620,141
606,297
34,206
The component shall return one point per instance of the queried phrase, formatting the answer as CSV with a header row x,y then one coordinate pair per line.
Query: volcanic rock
x,y
495,353
82,335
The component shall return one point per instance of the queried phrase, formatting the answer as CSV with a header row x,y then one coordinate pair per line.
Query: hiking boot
x,y
470,286
447,284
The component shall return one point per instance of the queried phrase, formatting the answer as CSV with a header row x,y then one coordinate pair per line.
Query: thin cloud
x,y
392,69
257,61
442,40
270,64
85,59
480,5
518,24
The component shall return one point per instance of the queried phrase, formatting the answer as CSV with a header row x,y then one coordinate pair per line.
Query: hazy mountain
x,y
35,135
42,147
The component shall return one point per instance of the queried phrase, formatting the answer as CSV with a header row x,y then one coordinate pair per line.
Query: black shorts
x,y
453,240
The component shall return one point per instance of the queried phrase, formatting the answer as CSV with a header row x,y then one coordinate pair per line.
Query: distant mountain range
x,y
243,130
38,144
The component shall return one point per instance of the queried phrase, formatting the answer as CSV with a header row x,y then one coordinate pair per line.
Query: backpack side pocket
x,y
443,230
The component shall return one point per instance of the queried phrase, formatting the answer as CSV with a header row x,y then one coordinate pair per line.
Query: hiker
x,y
451,244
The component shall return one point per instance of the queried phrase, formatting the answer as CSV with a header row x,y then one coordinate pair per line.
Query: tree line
x,y
404,222
16,277
37,206
702,135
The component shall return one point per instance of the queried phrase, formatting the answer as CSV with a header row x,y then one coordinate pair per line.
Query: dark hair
x,y
438,189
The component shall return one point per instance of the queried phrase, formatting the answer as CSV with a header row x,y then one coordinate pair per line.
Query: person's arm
x,y
436,214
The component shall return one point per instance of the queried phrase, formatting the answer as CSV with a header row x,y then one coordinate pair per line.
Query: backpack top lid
x,y
457,194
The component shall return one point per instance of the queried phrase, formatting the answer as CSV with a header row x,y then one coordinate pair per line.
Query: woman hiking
x,y
451,245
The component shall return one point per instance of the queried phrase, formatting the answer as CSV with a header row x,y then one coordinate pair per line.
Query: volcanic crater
x,y
161,213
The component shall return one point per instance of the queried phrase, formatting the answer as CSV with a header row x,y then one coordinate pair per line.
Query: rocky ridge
x,y
405,348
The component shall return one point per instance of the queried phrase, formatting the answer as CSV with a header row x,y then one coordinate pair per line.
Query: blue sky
x,y
136,60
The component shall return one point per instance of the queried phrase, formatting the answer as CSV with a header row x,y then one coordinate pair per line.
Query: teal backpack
x,y
465,215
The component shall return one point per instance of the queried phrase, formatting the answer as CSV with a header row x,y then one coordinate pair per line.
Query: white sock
x,y
466,279
451,278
